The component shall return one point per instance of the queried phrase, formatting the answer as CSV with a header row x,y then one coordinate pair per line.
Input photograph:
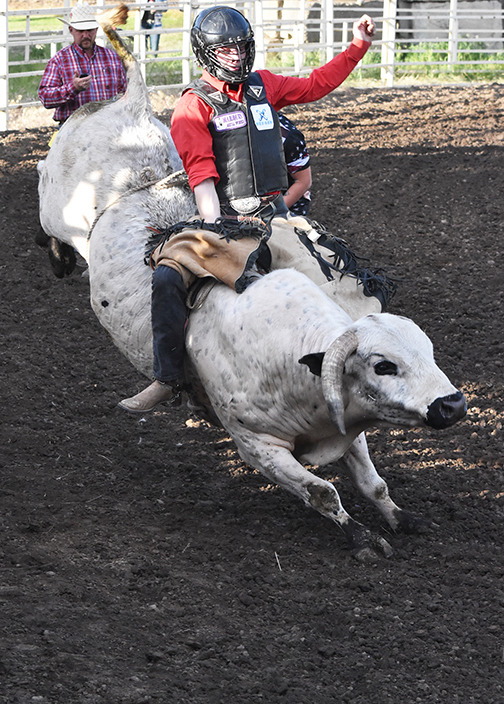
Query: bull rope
x,y
198,296
174,180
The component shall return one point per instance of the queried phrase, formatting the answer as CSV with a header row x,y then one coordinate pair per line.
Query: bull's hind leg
x,y
276,462
358,463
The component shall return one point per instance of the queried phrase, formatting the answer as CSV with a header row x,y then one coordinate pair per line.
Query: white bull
x,y
260,364
103,186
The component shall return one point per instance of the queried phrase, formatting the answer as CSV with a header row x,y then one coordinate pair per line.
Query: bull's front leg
x,y
358,463
61,257
274,459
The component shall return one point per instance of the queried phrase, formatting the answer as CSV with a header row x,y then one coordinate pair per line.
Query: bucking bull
x,y
297,367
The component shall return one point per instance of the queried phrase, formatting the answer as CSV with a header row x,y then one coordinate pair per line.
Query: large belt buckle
x,y
246,205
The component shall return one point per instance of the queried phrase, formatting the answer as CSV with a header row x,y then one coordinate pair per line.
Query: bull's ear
x,y
313,362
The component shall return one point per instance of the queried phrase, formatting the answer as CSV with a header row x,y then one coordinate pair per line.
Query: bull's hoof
x,y
412,524
364,545
61,257
374,551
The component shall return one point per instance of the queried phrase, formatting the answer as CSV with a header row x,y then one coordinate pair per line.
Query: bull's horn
x,y
332,375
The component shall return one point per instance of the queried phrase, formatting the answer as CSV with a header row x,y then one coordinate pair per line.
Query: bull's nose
x,y
446,411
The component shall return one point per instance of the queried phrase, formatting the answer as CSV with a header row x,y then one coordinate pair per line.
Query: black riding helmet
x,y
219,27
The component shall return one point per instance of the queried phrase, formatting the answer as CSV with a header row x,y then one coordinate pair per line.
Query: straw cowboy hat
x,y
82,17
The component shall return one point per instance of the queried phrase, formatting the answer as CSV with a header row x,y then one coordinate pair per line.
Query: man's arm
x,y
193,141
291,90
207,200
302,183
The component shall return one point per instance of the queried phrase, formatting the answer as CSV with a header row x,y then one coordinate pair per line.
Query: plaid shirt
x,y
56,88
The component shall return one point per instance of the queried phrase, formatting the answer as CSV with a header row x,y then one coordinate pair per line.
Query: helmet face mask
x,y
223,43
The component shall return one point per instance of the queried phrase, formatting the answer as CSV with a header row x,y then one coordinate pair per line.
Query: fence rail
x,y
291,38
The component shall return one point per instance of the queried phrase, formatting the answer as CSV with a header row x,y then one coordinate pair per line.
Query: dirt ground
x,y
142,561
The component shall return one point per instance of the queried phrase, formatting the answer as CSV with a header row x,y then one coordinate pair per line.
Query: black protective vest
x,y
247,141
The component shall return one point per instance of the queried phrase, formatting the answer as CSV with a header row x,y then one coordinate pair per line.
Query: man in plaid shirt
x,y
83,71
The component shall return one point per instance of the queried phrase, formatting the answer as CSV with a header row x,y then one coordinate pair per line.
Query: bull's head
x,y
385,363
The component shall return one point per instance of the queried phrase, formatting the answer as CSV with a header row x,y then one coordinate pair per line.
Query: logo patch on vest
x,y
230,121
218,97
256,91
263,118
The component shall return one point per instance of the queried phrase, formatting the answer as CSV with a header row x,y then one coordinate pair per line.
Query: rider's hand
x,y
364,28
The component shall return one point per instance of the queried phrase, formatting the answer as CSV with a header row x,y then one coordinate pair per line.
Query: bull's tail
x,y
108,21
137,93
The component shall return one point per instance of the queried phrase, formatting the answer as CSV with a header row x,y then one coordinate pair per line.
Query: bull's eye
x,y
385,367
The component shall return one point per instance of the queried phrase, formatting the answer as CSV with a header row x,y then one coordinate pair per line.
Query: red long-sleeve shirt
x,y
56,87
189,124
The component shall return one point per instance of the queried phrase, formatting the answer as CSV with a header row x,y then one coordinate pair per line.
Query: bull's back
x,y
237,340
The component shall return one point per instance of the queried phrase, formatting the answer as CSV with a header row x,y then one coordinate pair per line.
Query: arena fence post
x,y
388,42
186,43
453,33
328,29
258,22
4,65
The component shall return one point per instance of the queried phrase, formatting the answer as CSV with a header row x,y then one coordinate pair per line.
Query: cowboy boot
x,y
149,398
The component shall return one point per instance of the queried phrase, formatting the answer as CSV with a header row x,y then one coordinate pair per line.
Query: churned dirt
x,y
142,561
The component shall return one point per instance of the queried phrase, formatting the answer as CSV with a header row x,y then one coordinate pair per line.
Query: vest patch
x,y
263,118
218,97
256,91
230,121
